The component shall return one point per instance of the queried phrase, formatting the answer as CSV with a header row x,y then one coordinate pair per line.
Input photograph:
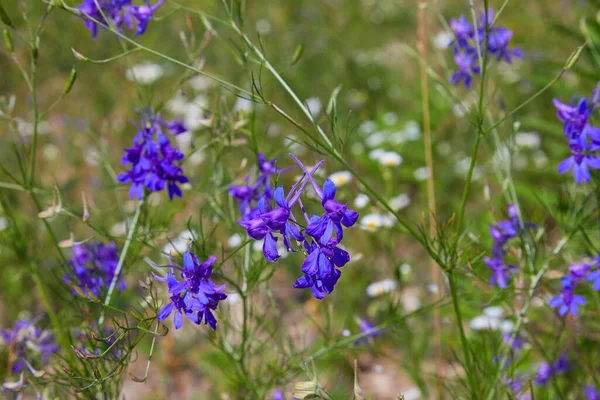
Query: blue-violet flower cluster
x,y
155,163
567,302
468,46
29,346
501,233
117,13
320,239
583,139
195,296
93,266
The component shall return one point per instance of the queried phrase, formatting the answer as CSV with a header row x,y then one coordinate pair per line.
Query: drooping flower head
x,y
155,163
29,346
196,296
93,266
100,13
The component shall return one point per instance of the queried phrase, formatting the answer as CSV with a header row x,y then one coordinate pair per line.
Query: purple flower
x,y
368,329
93,267
517,344
155,164
500,271
195,296
319,268
580,162
117,13
28,344
278,395
575,118
595,278
249,194
591,393
469,46
336,215
567,301
543,375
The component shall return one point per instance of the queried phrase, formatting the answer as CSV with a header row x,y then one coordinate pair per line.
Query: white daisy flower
x,y
530,140
375,139
361,200
234,241
378,288
314,105
390,159
341,178
371,222
421,174
145,73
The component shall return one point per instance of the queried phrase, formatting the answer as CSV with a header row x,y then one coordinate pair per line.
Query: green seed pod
x,y
574,57
70,82
8,41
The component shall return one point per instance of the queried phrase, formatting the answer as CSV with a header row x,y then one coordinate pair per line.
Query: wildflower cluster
x,y
547,371
248,194
583,138
567,301
117,13
93,266
28,346
468,46
195,296
501,233
320,239
155,163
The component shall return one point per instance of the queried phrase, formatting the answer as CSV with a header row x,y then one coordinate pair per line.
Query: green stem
x,y
463,337
117,274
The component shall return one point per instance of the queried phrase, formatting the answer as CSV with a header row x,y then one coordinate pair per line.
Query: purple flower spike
x,y
155,164
468,47
367,328
196,296
117,13
92,267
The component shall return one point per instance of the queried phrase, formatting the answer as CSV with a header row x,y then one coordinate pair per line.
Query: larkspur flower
x,y
368,329
582,137
591,393
155,163
567,302
500,271
93,266
117,13
196,296
543,375
468,47
29,346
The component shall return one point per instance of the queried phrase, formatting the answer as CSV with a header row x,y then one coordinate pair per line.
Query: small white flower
x,y
376,154
443,39
421,174
51,152
233,298
367,127
375,139
399,202
361,200
180,244
341,178
242,105
145,74
494,312
433,288
263,27
196,158
390,118
378,368
530,140
201,83
378,288
314,105
257,245
346,332
414,393
184,141
388,220
371,222
483,322
234,240
390,159
92,157
540,159
118,229
410,303
3,223
507,326
405,269
412,130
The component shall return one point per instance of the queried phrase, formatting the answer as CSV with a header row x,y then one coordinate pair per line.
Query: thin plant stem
x,y
434,269
117,274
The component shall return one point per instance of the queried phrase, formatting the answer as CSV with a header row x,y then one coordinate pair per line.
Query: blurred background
x,y
367,51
